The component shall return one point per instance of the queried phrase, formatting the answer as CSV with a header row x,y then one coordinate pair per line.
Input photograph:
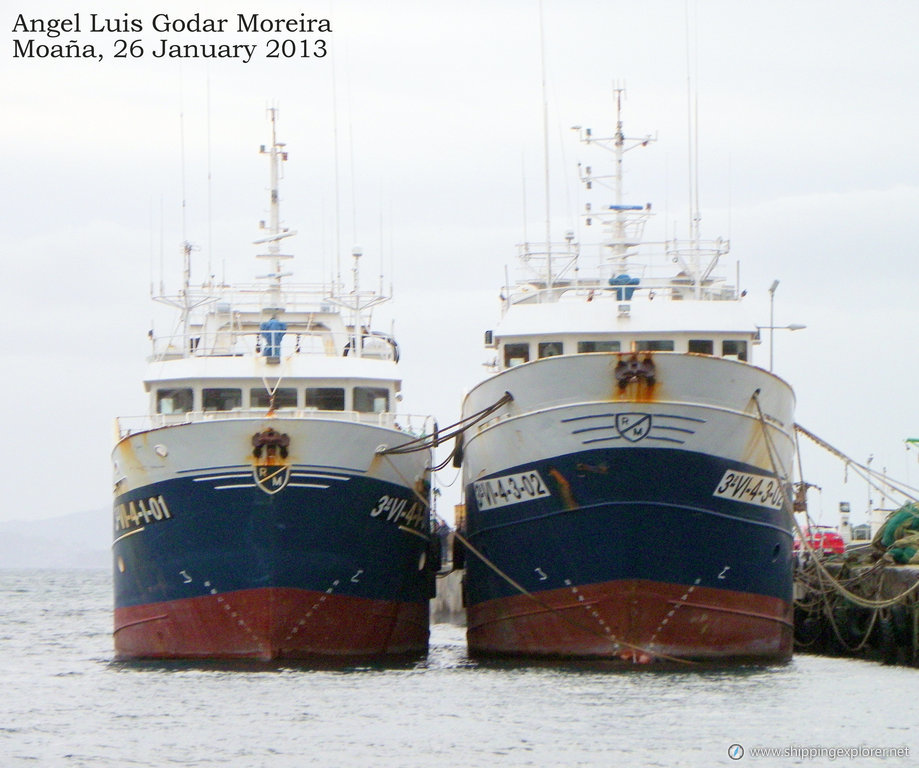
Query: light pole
x,y
772,327
775,284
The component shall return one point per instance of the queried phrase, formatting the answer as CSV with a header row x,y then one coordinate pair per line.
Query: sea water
x,y
64,701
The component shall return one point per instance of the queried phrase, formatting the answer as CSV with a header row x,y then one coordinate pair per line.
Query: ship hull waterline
x,y
271,624
634,621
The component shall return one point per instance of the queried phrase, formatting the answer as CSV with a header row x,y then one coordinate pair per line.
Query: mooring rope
x,y
426,442
557,610
608,636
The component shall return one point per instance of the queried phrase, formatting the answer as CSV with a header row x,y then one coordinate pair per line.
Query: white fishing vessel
x,y
256,511
631,501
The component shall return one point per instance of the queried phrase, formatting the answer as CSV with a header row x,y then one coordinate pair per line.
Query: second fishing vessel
x,y
631,500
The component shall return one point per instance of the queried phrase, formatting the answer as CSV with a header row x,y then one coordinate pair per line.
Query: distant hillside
x,y
78,540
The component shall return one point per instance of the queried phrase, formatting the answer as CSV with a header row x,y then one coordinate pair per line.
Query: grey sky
x,y
807,125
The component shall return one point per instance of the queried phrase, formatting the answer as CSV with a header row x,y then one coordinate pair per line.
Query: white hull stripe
x,y
617,437
125,535
311,476
687,508
231,467
252,485
325,468
301,476
206,478
322,472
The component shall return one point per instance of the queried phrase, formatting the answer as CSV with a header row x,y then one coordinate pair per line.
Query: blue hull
x,y
630,514
303,538
611,519
204,540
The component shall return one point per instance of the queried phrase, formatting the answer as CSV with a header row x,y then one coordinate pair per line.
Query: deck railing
x,y
412,424
229,342
665,268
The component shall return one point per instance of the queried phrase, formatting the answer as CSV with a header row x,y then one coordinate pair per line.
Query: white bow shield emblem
x,y
633,426
271,471
272,479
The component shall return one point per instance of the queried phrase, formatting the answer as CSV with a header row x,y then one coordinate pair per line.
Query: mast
x,y
358,331
185,300
545,147
358,303
627,222
619,244
276,155
185,291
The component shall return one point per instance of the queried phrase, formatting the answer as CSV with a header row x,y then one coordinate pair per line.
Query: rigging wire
x,y
788,506
866,473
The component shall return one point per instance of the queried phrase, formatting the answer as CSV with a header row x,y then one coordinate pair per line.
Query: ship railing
x,y
412,424
650,276
314,298
253,297
657,264
230,342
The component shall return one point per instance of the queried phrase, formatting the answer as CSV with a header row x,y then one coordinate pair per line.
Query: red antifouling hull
x,y
634,620
271,623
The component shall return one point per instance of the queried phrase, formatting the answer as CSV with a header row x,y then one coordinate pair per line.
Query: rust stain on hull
x,y
635,378
564,489
637,621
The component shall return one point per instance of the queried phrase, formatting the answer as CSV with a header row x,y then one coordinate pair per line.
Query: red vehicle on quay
x,y
822,538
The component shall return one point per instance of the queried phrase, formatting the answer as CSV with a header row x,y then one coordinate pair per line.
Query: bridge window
x,y
654,345
550,348
702,346
284,397
598,346
174,400
732,348
371,399
516,354
325,398
221,399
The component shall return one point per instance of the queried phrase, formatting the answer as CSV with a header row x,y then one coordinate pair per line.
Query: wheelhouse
x,y
186,397
516,350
